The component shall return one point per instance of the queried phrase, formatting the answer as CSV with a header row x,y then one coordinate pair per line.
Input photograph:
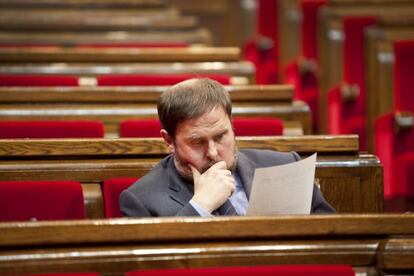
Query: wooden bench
x,y
113,104
372,244
331,40
109,55
350,181
242,71
379,67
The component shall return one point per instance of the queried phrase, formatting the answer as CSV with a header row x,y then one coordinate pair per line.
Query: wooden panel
x,y
114,247
55,54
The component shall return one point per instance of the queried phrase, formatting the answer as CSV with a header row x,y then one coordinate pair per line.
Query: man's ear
x,y
168,139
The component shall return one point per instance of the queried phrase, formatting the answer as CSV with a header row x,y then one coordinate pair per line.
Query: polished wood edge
x,y
58,54
145,146
194,228
130,93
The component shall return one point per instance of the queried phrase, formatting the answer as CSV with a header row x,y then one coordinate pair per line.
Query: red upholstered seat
x,y
243,127
140,128
280,270
353,57
301,73
263,49
257,126
132,45
37,80
51,129
41,200
394,146
147,79
112,188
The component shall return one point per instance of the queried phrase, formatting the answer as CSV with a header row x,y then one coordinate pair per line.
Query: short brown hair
x,y
190,99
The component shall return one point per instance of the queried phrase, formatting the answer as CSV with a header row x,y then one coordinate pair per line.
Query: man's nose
x,y
212,150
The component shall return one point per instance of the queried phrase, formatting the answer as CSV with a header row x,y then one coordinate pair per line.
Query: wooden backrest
x,y
331,39
350,181
115,104
370,243
108,55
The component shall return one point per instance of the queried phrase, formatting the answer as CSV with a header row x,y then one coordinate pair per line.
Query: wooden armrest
x,y
404,120
349,92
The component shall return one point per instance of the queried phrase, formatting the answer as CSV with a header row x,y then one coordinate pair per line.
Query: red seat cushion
x,y
146,79
38,80
140,128
257,126
280,270
41,200
112,188
51,129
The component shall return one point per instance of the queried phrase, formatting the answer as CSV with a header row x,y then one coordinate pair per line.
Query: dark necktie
x,y
227,209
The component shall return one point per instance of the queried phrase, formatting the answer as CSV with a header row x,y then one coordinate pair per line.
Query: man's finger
x,y
221,165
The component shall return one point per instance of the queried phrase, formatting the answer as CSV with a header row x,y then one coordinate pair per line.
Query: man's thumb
x,y
196,173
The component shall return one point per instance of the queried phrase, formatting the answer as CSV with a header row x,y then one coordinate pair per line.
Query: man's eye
x,y
219,137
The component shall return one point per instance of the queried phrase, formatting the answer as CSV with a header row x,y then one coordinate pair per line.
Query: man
x,y
205,174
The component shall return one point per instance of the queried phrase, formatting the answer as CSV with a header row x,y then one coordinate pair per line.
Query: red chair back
x,y
38,80
257,126
140,128
147,79
51,129
41,200
309,27
112,188
280,270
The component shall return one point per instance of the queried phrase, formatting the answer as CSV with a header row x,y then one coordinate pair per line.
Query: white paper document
x,y
283,190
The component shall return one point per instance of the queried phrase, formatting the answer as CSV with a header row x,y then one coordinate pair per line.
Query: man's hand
x,y
213,187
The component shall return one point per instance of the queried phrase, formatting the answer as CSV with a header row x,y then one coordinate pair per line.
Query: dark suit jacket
x,y
163,192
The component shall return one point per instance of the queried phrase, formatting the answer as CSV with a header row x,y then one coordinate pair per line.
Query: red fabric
x,y
404,174
306,89
403,75
140,128
132,45
309,27
37,80
146,79
51,129
41,200
338,123
267,19
112,188
280,270
257,126
390,147
66,274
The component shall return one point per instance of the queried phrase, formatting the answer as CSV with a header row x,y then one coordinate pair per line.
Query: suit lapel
x,y
245,168
179,190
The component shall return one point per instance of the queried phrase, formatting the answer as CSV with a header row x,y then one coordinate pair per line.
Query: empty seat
x,y
243,127
51,129
302,72
159,79
350,116
262,50
140,128
38,80
280,270
257,126
41,200
112,188
394,132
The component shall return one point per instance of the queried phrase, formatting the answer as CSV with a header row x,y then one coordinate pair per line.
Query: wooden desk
x,y
350,181
114,104
375,244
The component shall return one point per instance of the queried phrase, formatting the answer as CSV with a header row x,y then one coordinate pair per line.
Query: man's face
x,y
204,141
